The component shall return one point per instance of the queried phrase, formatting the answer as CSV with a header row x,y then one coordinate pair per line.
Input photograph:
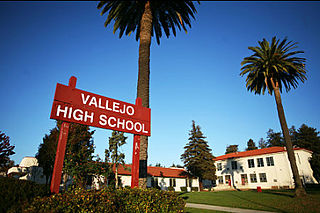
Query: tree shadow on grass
x,y
183,197
280,193
257,203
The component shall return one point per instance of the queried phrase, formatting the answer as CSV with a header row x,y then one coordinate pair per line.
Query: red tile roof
x,y
156,171
269,150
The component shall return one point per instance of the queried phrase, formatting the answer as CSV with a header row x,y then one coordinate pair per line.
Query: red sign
x,y
78,106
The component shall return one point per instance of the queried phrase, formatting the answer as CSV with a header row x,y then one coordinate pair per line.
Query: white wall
x,y
163,182
279,175
28,169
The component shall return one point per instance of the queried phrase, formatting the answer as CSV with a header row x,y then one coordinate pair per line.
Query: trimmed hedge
x,y
13,192
109,200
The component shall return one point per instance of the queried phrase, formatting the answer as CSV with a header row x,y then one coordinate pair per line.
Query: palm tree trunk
x,y
300,191
143,84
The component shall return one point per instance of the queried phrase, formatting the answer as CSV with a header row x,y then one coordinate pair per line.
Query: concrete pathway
x,y
224,209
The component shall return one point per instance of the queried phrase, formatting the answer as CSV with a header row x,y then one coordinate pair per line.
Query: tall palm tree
x,y
272,67
147,18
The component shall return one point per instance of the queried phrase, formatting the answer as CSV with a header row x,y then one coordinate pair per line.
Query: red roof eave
x,y
156,171
255,152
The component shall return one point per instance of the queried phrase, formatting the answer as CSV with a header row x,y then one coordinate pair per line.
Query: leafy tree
x,y
197,157
274,67
47,152
158,165
147,18
231,149
315,165
5,151
6,167
275,139
117,158
251,145
78,160
262,143
308,138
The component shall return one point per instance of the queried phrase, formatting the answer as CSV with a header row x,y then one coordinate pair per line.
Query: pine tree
x,y
47,152
5,151
117,158
251,145
197,157
275,139
231,149
308,138
262,143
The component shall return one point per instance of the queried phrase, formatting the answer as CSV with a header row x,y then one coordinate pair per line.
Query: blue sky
x,y
194,76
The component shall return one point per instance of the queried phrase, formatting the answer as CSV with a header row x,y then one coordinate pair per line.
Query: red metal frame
x,y
135,162
69,96
61,149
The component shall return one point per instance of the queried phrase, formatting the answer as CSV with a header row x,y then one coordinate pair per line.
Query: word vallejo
x,y
104,113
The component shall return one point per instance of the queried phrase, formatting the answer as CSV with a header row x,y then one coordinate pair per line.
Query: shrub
x,y
171,189
14,192
183,188
109,200
194,189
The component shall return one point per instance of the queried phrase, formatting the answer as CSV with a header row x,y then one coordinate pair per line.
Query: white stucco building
x,y
159,176
28,169
267,168
162,177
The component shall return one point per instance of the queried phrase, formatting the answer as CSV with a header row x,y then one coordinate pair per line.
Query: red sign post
x,y
78,106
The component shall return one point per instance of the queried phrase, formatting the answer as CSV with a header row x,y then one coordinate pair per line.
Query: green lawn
x,y
268,200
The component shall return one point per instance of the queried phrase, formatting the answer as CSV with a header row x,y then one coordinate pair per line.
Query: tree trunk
x,y
143,84
299,190
200,185
116,176
65,179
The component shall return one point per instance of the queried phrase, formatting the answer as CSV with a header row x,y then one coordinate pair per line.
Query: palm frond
x,y
274,60
167,16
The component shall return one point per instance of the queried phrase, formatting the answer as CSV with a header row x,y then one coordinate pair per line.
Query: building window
x,y
263,177
154,181
250,163
228,179
220,179
244,179
188,182
298,157
172,182
260,162
234,165
219,166
270,161
253,178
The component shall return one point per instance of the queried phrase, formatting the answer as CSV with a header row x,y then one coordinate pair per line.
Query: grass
x,y
268,200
